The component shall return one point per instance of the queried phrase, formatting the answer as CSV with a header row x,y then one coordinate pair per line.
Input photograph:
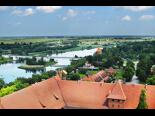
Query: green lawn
x,y
81,75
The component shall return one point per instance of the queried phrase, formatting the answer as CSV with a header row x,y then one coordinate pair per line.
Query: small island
x,y
35,64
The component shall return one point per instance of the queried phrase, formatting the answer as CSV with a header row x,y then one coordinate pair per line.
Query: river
x,y
10,71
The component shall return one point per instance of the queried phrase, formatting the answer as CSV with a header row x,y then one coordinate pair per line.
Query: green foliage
x,y
2,83
73,76
129,71
4,60
75,64
21,83
119,74
144,67
36,46
151,80
142,102
69,69
7,90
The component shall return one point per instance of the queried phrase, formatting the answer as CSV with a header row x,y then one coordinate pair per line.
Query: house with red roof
x,y
55,93
100,76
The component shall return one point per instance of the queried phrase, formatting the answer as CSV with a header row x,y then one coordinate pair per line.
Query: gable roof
x,y
117,92
96,77
55,93
45,94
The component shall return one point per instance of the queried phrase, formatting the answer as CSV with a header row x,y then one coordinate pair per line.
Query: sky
x,y
76,20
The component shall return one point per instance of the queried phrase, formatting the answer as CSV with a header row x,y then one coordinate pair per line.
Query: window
x,y
118,106
56,97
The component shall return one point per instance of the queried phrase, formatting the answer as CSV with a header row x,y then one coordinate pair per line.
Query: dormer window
x,y
56,97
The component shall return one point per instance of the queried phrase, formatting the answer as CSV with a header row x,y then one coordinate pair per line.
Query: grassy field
x,y
28,40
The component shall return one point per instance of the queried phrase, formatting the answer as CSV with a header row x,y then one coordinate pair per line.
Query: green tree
x,y
73,76
128,73
142,101
151,80
7,90
69,69
19,85
2,83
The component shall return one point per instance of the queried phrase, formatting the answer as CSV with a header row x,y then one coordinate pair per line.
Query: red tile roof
x,y
84,94
1,107
96,77
39,95
55,93
132,92
117,92
150,92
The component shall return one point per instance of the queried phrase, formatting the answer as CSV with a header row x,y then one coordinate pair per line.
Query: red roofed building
x,y
55,93
100,76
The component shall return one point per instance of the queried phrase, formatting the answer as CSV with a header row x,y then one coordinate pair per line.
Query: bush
x,y
73,76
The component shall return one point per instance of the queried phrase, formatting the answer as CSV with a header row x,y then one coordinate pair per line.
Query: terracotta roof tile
x,y
55,94
48,93
84,94
132,92
45,94
117,92
1,107
23,99
150,95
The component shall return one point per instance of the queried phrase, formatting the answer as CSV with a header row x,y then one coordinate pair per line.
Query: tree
x,y
19,85
89,59
120,62
128,73
130,64
142,102
7,90
2,83
141,73
73,76
69,69
151,80
144,68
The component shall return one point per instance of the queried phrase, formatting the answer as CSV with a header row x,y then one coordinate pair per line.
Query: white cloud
x,y
48,9
135,8
72,13
3,8
26,12
147,17
17,12
126,18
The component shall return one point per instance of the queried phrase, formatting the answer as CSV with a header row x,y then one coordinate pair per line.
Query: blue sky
x,y
76,20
